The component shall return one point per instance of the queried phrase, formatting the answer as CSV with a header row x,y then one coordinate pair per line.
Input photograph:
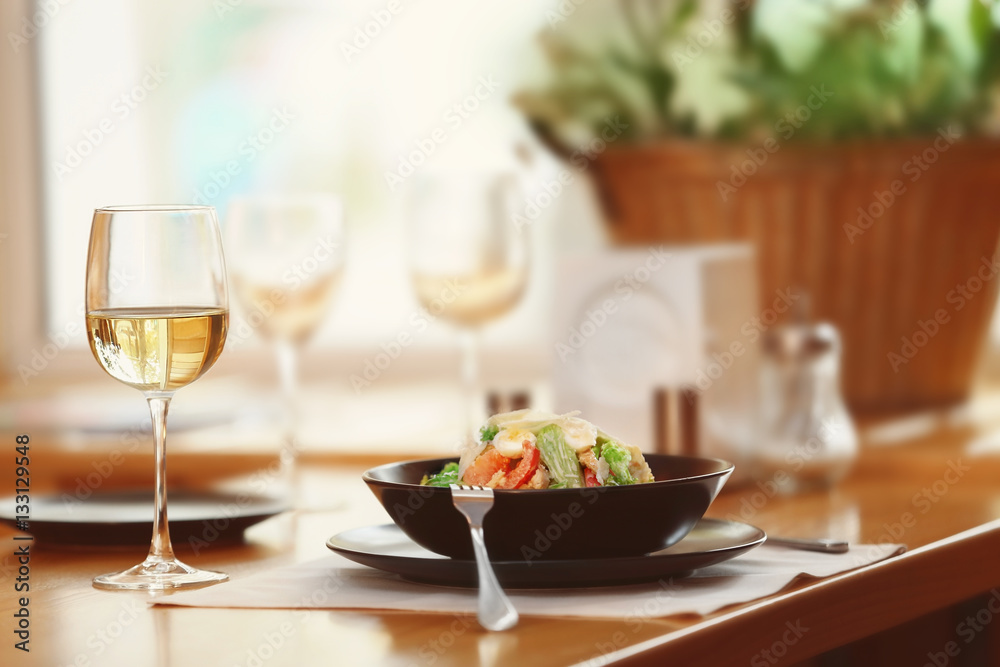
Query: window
x,y
197,102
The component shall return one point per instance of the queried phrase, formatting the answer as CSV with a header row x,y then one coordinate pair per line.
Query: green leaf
x,y
488,432
617,456
446,477
897,69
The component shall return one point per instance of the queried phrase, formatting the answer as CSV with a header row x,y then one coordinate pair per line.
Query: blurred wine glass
x,y
286,257
468,260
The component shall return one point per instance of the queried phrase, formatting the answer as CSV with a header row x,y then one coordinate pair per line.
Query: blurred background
x,y
671,201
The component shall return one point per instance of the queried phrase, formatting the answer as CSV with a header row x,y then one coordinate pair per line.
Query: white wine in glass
x,y
157,349
478,297
160,330
295,313
468,260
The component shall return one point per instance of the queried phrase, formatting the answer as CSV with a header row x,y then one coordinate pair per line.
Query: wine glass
x,y
468,260
161,327
286,256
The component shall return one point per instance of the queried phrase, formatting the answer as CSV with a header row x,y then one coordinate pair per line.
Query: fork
x,y
495,610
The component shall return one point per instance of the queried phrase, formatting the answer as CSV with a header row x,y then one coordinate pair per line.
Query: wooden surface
x,y
954,541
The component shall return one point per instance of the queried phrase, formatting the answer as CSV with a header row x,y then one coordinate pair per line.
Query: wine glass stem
x,y
470,380
160,549
288,371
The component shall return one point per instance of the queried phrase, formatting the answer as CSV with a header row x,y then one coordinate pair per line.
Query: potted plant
x,y
850,140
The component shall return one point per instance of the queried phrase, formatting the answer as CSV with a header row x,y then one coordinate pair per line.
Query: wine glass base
x,y
159,575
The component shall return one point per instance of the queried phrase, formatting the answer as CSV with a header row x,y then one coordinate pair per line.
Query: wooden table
x,y
928,492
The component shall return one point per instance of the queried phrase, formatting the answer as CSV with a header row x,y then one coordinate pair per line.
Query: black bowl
x,y
600,522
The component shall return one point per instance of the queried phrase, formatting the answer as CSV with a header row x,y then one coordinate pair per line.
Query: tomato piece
x,y
485,466
590,477
525,468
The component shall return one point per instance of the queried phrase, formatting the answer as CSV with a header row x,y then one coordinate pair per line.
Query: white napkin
x,y
333,582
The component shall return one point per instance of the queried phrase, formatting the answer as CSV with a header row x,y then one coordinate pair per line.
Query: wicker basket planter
x,y
910,258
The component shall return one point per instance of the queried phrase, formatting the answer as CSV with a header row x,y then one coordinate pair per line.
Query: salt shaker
x,y
807,438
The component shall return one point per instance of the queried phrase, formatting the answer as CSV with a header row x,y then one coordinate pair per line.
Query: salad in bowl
x,y
530,449
561,485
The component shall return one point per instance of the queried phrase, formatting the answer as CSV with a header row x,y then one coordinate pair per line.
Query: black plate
x,y
127,517
555,524
388,548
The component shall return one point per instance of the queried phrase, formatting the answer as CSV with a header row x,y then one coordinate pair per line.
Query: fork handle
x,y
822,545
495,610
